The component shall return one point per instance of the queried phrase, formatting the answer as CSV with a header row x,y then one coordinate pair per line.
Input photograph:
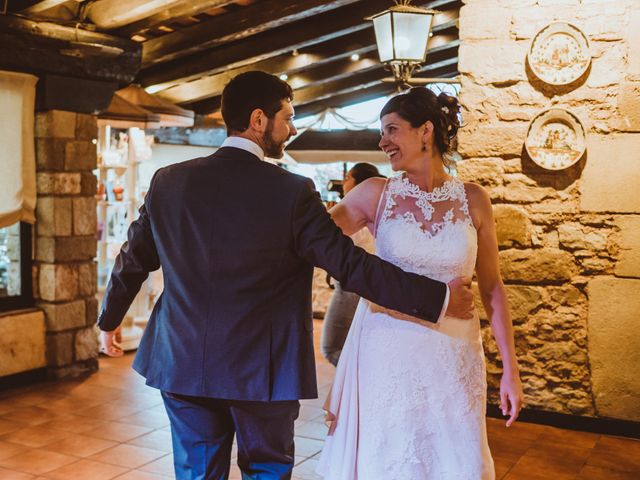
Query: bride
x,y
409,398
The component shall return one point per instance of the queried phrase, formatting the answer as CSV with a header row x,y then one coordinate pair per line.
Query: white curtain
x,y
17,151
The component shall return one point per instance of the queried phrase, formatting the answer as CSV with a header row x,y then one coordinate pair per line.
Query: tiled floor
x,y
111,426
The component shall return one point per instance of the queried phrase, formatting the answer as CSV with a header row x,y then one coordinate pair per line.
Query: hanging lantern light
x,y
402,33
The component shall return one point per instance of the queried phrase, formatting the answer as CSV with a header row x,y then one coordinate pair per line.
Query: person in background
x,y
342,306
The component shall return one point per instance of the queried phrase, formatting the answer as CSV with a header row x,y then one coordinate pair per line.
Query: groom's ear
x,y
258,120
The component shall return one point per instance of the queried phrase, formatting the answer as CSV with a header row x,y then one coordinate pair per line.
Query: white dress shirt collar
x,y
244,144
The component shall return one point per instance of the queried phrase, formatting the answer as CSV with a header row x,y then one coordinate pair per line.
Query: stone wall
x,y
569,240
65,240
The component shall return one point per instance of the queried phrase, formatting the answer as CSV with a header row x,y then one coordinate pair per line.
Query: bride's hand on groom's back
x,y
460,298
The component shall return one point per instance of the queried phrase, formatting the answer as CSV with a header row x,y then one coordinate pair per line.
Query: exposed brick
x,y
65,249
53,216
86,344
58,183
86,127
55,124
58,282
60,349
50,154
80,155
91,310
87,279
88,183
64,316
84,216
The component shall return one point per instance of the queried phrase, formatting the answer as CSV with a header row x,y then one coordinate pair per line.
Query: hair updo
x,y
419,105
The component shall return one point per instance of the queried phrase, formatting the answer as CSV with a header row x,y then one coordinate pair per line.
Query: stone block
x,y
519,188
58,282
58,183
65,249
86,127
91,308
608,65
629,107
633,43
484,171
477,22
493,140
527,22
628,240
88,184
60,349
87,279
493,61
523,300
86,344
55,124
50,154
80,155
81,369
22,342
53,216
545,265
611,178
64,316
84,216
574,236
512,225
614,338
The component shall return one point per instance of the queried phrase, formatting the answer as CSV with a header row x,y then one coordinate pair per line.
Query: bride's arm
x,y
494,299
358,208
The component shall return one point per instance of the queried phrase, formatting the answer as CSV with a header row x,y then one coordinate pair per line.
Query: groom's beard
x,y
272,148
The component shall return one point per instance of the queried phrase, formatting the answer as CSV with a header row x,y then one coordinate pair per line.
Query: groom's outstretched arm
x,y
321,242
138,256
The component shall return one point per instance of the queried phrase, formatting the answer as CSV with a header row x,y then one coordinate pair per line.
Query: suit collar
x,y
244,144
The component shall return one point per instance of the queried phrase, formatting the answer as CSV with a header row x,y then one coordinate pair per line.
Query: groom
x,y
229,342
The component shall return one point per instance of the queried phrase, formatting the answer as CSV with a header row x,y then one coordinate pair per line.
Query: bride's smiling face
x,y
401,142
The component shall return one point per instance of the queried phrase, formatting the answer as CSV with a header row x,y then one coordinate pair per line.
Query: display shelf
x,y
118,199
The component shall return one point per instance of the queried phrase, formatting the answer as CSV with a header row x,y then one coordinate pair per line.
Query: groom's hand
x,y
110,342
460,298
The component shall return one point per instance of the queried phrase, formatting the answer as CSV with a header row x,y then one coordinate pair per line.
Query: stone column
x,y
568,240
65,240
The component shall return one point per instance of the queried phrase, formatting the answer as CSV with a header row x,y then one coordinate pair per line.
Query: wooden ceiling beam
x,y
233,26
364,80
42,47
187,8
31,7
345,99
298,35
356,82
318,75
361,42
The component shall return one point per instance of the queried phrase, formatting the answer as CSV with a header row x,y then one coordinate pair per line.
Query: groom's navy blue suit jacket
x,y
237,239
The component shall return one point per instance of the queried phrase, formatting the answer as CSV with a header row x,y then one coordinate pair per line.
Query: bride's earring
x,y
424,147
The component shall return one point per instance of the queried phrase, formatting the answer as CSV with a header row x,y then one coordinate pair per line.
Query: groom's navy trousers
x,y
203,429
237,239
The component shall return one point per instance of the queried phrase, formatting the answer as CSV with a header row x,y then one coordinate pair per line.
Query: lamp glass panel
x,y
411,33
384,36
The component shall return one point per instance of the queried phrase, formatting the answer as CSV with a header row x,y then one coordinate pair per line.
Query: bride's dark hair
x,y
419,105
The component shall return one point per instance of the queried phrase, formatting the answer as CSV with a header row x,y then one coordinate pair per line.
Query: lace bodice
x,y
430,233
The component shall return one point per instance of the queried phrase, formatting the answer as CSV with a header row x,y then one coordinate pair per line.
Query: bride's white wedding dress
x,y
410,396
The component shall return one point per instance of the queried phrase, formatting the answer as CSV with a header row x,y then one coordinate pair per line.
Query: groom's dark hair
x,y
248,91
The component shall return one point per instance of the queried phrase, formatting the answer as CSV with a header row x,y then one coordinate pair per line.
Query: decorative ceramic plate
x,y
555,139
559,54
